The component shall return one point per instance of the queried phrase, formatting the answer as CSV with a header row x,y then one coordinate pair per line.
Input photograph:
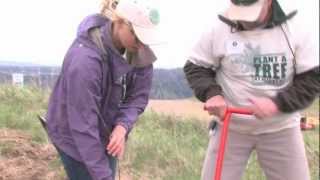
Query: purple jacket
x,y
88,99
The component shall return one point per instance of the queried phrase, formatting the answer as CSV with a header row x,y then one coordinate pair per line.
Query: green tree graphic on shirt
x,y
264,69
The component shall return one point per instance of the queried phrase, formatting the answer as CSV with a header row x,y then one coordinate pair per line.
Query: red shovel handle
x,y
235,110
223,138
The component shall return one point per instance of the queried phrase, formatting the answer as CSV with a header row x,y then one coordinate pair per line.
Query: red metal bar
x,y
239,110
223,138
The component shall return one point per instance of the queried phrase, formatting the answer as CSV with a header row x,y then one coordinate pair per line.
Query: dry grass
x,y
181,108
194,109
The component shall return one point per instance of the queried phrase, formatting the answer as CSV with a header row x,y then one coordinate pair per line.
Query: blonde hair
x,y
108,9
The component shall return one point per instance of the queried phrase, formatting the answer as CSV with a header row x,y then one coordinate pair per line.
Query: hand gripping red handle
x,y
224,135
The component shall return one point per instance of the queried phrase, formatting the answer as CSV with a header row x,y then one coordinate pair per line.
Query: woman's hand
x,y
116,144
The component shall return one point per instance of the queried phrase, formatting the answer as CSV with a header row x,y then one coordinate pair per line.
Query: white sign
x,y
17,79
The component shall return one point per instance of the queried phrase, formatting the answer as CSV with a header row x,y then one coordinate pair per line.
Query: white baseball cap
x,y
245,10
144,17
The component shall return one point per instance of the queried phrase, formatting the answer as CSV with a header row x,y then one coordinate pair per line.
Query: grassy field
x,y
19,108
162,147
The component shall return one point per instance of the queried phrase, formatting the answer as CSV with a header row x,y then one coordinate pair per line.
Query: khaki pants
x,y
281,155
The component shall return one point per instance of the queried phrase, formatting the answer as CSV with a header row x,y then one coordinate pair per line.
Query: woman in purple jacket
x,y
103,87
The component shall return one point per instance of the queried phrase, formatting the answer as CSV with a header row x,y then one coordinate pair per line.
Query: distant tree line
x,y
167,83
170,84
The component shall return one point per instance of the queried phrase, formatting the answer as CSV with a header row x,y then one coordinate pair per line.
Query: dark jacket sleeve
x,y
202,81
83,83
137,97
304,89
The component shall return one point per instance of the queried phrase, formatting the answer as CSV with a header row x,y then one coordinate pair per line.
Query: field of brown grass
x,y
181,108
192,108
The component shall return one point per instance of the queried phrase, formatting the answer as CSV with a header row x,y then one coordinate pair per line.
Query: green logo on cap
x,y
154,16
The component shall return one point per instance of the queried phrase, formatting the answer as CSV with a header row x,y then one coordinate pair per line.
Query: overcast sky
x,y
40,31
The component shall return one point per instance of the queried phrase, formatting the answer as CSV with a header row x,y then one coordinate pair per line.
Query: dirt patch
x,y
21,159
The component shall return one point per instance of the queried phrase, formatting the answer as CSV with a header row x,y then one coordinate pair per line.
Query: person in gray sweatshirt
x,y
103,87
258,55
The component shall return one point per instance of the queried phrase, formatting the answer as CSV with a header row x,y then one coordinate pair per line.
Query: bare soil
x,y
21,159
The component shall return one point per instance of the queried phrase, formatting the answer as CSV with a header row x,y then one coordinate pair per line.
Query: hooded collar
x,y
120,65
117,63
